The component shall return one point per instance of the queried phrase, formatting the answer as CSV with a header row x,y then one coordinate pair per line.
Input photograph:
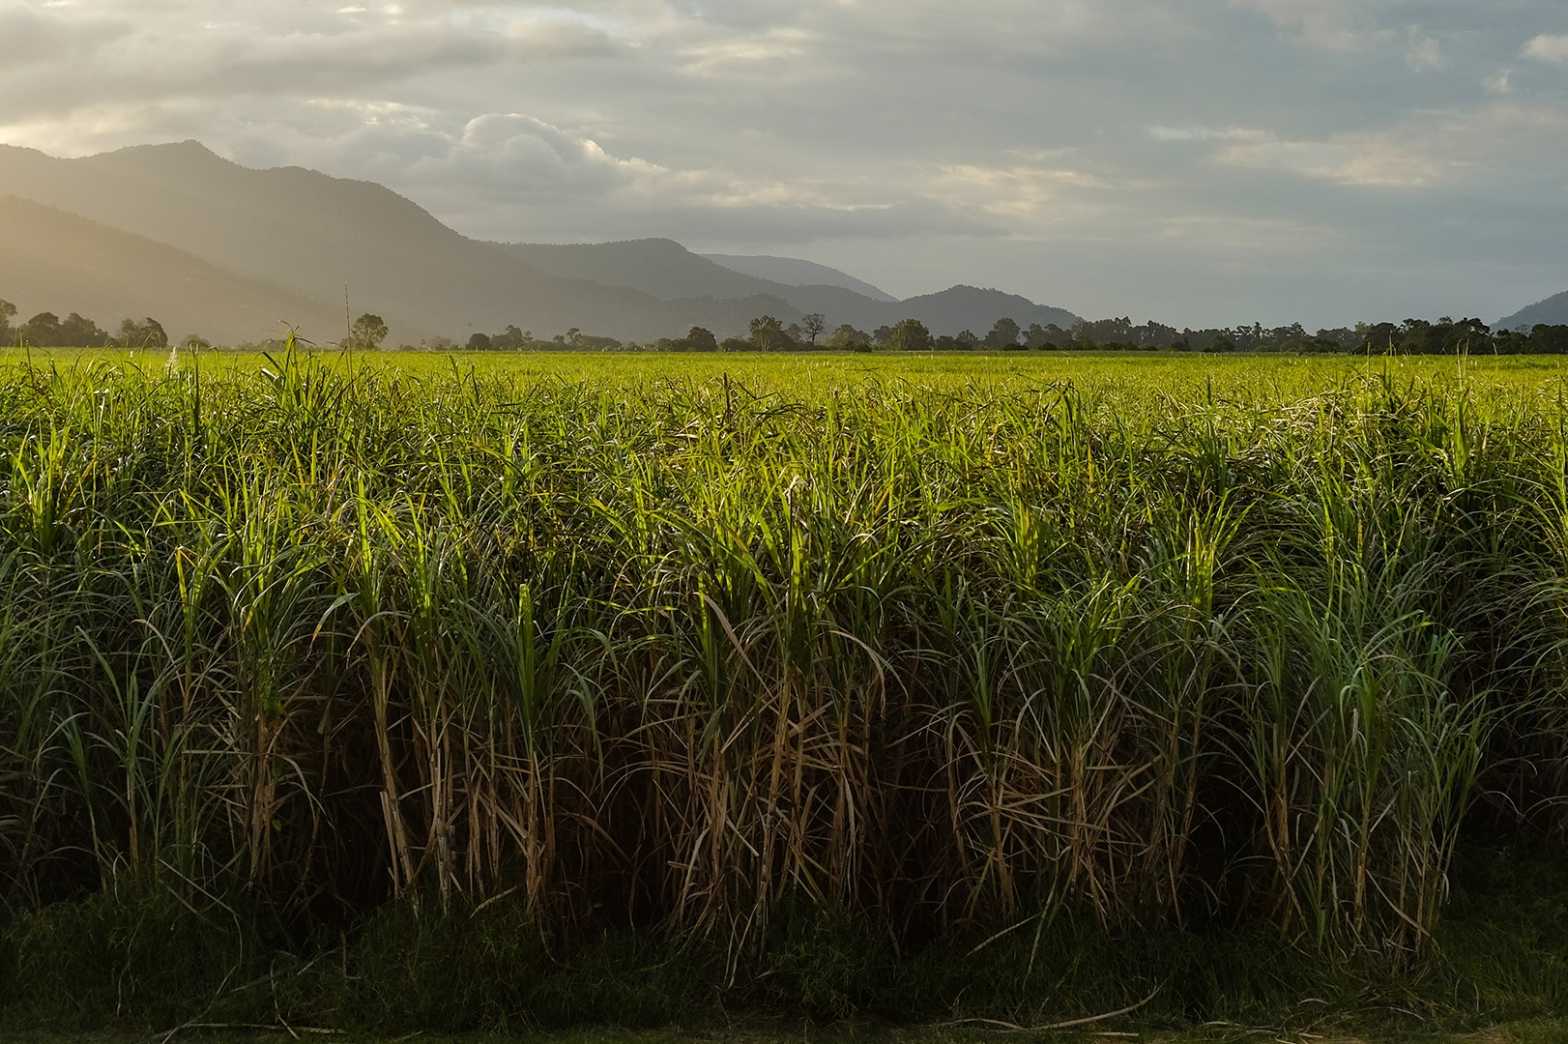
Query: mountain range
x,y
53,260
209,246
1551,312
794,272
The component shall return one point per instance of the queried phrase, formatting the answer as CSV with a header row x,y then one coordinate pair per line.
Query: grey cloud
x,y
514,176
227,58
790,225
32,38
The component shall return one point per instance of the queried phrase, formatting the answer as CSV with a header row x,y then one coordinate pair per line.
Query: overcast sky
x,y
1199,161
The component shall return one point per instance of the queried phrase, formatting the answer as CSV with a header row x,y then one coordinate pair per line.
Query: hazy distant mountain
x,y
794,272
971,308
946,313
660,267
57,262
1551,312
316,234
666,269
317,237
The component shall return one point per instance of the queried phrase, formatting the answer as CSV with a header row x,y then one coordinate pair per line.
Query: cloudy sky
x,y
1199,161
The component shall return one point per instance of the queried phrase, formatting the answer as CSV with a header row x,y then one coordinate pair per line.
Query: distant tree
x,y
699,339
74,331
368,332
883,335
911,335
1552,340
1051,336
1342,339
78,331
735,344
510,339
1380,338
1105,332
41,331
479,342
7,313
1003,335
813,324
148,333
967,340
195,342
848,339
768,335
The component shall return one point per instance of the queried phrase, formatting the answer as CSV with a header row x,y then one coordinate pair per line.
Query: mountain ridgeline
x,y
665,269
236,253
1551,312
792,271
54,260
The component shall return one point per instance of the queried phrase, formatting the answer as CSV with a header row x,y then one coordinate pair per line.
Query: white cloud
x,y
1503,144
1364,162
1500,84
777,50
1197,133
529,157
1023,191
1422,52
1548,48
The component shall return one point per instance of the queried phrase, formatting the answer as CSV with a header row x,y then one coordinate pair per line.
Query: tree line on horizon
x,y
1446,336
48,330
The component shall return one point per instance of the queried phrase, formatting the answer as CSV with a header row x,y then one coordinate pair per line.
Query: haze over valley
x,y
239,255
234,253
